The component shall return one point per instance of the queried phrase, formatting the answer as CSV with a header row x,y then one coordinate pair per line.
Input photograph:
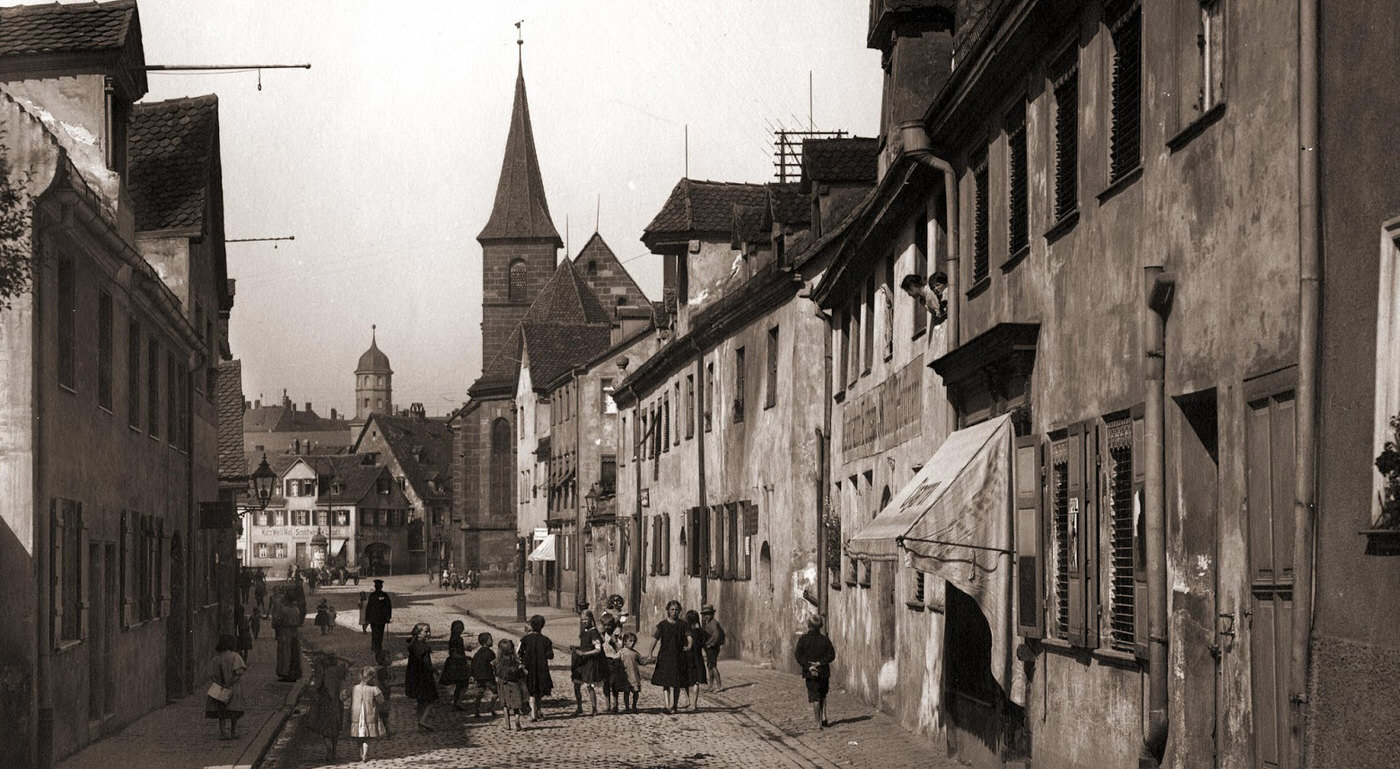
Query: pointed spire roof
x,y
520,211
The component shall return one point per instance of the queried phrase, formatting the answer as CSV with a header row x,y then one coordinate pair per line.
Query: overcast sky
x,y
383,158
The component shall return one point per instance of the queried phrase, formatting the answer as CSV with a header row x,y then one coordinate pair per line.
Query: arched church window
x,y
501,468
516,281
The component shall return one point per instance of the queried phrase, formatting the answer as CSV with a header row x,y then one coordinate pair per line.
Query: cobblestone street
x,y
761,719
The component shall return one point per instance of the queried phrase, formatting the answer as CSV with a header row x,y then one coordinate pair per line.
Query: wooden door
x,y
1269,471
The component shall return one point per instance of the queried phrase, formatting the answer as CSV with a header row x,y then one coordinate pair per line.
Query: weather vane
x,y
519,33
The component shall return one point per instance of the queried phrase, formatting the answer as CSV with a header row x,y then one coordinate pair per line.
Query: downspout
x,y
1309,324
43,538
638,536
700,476
1160,287
916,147
824,466
580,517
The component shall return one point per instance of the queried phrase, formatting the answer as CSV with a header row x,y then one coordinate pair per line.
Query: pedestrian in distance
x,y
260,593
484,674
327,693
364,603
694,657
511,676
668,644
419,682
255,622
224,698
714,640
286,624
245,630
814,654
456,669
325,616
536,650
245,584
592,663
631,662
379,611
367,703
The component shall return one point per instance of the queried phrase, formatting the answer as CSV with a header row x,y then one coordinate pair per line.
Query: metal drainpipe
x,y
43,544
1158,288
824,466
700,463
637,545
1309,322
916,148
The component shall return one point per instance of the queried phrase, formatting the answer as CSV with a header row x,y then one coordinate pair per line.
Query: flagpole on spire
x,y
519,43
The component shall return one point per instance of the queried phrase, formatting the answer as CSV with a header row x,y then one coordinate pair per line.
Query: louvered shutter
x,y
1018,225
1030,575
981,249
57,524
1125,144
1141,623
1066,90
1082,539
694,559
84,571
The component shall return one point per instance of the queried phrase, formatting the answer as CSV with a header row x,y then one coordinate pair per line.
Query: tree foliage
x,y
16,266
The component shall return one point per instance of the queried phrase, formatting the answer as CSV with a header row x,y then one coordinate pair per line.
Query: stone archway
x,y
377,559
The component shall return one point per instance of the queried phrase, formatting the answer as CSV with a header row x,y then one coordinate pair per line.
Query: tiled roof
x,y
564,301
282,419
853,159
228,401
701,206
423,448
751,224
789,204
65,28
521,210
174,156
555,349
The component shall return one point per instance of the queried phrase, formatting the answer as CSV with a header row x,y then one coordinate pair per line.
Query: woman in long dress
x,y
670,672
327,703
536,650
419,681
224,700
286,622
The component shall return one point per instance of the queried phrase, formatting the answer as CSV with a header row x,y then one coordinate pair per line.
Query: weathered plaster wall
x,y
1356,647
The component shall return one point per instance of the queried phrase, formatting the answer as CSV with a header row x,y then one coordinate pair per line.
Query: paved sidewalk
x,y
180,737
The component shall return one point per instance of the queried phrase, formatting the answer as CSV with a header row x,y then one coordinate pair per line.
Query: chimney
x,y
296,445
333,415
257,404
246,404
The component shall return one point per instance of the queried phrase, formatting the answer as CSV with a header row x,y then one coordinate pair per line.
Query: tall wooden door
x,y
1269,471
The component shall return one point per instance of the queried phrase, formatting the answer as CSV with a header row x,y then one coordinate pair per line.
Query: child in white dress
x,y
365,702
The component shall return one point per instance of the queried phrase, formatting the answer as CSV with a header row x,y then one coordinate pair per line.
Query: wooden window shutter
x,y
694,562
1018,203
57,512
750,519
1140,617
84,571
1089,533
1077,581
649,544
666,544
1118,505
1065,85
1125,143
1030,570
981,253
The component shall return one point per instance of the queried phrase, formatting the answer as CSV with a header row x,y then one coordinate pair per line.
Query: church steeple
x,y
520,211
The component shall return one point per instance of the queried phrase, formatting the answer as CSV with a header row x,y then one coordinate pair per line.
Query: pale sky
x,y
383,158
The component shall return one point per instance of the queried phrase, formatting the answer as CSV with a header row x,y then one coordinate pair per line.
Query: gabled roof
x,y
851,160
607,277
174,162
521,210
228,402
283,419
789,204
564,301
696,207
422,447
65,28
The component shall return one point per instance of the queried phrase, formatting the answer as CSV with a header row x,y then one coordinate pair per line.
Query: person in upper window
x,y
929,294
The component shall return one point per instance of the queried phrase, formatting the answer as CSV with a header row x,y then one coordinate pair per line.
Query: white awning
x,y
545,550
953,520
337,545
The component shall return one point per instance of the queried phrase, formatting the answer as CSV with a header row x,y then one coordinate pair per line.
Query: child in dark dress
x,y
484,674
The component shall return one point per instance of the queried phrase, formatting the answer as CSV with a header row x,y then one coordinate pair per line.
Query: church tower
x,y
374,383
519,242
